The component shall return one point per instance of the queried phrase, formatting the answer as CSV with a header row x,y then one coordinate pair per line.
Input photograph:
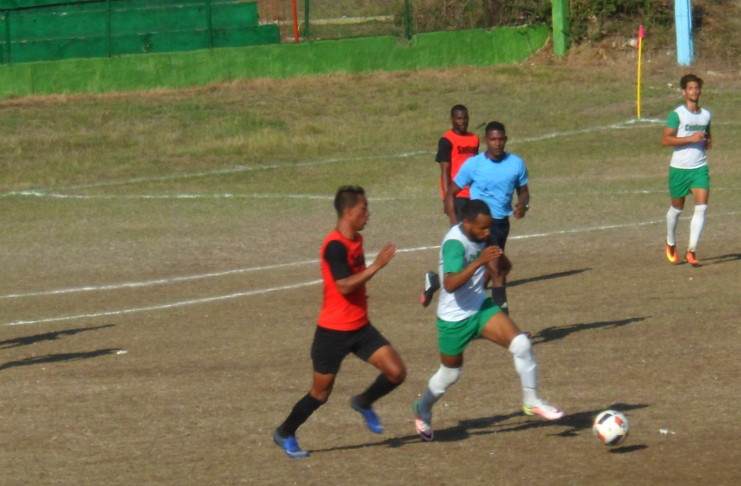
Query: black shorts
x,y
330,347
499,232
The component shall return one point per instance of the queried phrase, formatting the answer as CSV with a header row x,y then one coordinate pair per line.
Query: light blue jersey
x,y
492,181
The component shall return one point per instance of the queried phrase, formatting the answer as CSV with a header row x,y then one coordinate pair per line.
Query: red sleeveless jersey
x,y
343,312
463,147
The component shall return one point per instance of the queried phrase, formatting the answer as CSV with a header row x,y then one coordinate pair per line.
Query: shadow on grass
x,y
554,333
55,358
731,257
568,426
47,336
626,449
551,276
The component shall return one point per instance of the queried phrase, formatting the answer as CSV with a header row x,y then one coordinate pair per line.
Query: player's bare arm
x,y
453,189
350,284
523,202
445,179
669,137
452,281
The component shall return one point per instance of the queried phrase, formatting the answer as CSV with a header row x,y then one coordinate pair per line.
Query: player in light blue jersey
x,y
494,176
465,313
688,131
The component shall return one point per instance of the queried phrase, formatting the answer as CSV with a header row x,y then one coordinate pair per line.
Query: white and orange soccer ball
x,y
611,427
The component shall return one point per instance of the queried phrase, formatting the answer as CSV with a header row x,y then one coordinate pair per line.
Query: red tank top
x,y
343,312
464,147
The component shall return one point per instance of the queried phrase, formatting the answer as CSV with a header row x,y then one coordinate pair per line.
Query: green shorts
x,y
682,180
453,337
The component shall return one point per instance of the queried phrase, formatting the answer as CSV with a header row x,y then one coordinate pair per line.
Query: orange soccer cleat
x,y
671,253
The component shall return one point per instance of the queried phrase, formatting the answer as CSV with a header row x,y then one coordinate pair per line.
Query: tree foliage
x,y
591,20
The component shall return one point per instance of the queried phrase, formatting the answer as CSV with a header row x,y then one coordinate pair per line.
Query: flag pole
x,y
640,55
294,13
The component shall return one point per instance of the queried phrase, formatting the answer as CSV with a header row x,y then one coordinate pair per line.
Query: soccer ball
x,y
611,427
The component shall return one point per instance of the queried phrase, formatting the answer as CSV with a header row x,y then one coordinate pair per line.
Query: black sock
x,y
382,386
300,413
499,296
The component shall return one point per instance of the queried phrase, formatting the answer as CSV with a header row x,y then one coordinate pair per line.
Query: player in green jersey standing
x,y
688,131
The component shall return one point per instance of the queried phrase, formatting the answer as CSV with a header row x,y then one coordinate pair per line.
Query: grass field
x,y
159,255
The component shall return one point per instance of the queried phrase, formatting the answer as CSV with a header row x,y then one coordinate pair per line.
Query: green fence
x,y
38,30
341,19
196,68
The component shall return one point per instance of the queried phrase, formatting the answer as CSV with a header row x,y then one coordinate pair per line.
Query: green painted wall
x,y
7,4
103,28
182,69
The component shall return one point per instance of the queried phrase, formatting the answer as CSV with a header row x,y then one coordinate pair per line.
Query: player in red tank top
x,y
343,326
342,312
453,149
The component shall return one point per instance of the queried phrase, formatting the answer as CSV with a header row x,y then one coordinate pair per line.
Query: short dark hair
x,y
472,208
458,108
689,78
347,197
495,126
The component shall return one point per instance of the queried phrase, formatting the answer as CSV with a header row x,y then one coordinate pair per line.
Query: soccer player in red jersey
x,y
455,147
343,326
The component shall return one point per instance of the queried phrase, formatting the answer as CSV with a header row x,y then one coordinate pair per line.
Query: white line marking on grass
x,y
56,195
619,192
632,123
172,305
317,197
226,171
610,227
217,298
159,281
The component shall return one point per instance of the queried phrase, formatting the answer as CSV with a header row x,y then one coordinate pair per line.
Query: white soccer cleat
x,y
424,429
544,409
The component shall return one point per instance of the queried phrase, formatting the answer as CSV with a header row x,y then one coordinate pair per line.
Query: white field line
x,y
56,195
158,281
318,197
226,171
632,123
172,305
263,291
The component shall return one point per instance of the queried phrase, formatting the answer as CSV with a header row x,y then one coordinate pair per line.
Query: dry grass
x,y
217,192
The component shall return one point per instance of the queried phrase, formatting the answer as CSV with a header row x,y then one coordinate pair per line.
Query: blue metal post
x,y
683,26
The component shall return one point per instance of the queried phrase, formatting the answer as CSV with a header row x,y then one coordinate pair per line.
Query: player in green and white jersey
x,y
688,131
465,312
